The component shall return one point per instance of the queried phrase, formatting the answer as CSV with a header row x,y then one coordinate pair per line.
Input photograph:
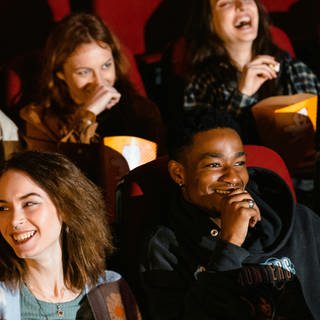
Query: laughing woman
x,y
232,61
54,242
233,64
85,92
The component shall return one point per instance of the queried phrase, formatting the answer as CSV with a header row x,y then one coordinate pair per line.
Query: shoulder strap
x,y
113,300
97,300
129,301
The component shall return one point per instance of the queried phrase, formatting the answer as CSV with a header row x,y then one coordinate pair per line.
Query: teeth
x,y
244,21
23,236
222,191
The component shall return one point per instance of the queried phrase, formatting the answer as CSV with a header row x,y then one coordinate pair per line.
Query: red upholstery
x,y
134,72
281,39
13,87
260,156
59,8
127,19
278,5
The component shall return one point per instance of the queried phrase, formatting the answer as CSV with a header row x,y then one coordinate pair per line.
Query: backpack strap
x,y
113,301
97,301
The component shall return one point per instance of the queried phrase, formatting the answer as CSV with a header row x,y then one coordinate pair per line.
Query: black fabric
x,y
276,264
134,115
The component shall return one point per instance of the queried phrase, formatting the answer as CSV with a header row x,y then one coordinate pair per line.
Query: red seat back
x,y
260,156
127,19
134,73
281,39
59,8
278,6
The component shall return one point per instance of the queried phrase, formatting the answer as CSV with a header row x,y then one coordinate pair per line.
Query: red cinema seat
x,y
282,40
278,6
59,8
127,19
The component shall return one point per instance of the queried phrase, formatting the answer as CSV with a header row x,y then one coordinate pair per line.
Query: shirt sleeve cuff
x,y
227,256
242,100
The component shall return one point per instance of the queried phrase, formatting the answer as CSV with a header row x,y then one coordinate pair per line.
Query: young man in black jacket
x,y
235,245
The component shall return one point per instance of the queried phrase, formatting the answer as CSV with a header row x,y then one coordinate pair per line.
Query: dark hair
x,y
69,33
85,235
181,132
204,44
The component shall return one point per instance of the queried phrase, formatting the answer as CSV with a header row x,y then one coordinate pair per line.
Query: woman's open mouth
x,y
23,237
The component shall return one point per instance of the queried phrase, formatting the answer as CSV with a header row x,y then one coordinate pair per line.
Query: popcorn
x,y
275,67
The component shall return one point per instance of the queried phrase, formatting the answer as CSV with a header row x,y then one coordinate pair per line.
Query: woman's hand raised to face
x,y
100,98
238,213
256,72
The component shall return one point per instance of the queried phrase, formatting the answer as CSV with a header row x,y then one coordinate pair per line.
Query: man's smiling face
x,y
212,167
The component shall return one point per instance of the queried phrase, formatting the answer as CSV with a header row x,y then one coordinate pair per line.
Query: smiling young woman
x,y
55,240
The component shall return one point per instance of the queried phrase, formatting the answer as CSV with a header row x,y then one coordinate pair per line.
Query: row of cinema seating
x,y
137,201
142,18
146,42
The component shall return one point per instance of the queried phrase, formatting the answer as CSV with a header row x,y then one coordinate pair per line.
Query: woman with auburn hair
x,y
85,92
54,243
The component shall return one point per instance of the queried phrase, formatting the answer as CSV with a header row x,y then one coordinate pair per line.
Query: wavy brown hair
x,y
86,237
69,33
203,43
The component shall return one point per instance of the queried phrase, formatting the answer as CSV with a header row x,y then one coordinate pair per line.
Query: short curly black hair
x,y
181,132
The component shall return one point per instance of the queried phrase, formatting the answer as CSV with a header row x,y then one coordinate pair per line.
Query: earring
x,y
67,229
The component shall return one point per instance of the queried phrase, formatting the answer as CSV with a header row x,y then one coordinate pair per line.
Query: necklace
x,y
59,311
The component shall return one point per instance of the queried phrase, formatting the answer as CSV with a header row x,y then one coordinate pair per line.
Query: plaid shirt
x,y
204,89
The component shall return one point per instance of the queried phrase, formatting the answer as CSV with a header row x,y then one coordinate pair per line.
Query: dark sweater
x,y
189,274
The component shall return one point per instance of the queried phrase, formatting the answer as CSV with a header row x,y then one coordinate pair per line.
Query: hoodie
x,y
189,273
